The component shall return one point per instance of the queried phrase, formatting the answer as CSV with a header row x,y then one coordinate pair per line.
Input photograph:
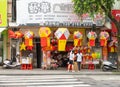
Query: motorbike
x,y
8,64
108,66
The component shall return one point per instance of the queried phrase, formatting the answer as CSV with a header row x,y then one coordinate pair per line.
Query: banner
x,y
51,13
116,14
3,13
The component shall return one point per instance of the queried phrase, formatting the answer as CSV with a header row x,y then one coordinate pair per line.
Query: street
x,y
59,81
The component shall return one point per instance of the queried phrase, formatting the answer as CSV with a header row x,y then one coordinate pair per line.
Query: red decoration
x,y
116,14
16,34
114,29
92,42
29,39
63,37
11,34
43,41
103,42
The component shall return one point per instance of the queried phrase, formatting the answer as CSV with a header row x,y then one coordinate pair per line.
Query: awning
x,y
2,29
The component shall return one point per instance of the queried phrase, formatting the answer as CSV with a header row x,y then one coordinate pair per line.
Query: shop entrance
x,y
38,52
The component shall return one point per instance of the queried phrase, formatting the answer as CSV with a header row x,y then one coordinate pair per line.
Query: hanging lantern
x,y
44,33
29,39
62,35
103,38
11,34
92,36
77,38
18,34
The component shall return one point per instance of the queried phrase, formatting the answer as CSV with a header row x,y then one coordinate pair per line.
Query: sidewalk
x,y
53,72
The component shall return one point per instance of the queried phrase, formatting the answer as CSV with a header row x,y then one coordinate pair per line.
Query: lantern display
x,y
18,34
103,38
62,35
29,39
98,55
92,36
15,35
11,34
44,33
77,38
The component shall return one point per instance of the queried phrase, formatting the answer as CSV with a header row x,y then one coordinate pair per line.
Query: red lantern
x,y
11,34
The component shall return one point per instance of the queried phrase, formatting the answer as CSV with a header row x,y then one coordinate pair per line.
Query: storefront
x,y
3,32
53,14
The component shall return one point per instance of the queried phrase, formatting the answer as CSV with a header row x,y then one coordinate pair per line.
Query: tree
x,y
95,7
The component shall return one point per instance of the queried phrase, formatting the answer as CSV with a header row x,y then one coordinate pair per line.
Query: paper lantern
x,y
18,34
77,38
77,35
103,38
44,31
61,45
29,39
92,36
94,56
45,41
98,55
11,34
62,33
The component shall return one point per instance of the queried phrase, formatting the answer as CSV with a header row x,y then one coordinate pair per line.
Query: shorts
x,y
70,61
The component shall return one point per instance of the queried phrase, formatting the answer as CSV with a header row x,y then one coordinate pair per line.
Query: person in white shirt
x,y
79,59
71,58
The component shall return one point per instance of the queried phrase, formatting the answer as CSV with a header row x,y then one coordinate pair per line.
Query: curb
x,y
53,72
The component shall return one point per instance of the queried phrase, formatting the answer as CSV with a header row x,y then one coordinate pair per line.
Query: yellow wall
x,y
3,13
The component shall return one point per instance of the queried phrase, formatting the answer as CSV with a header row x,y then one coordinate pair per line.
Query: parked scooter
x,y
108,66
7,64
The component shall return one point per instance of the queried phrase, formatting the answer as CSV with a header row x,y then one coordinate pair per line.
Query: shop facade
x,y
3,31
53,14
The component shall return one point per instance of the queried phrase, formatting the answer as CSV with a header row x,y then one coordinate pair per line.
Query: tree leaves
x,y
93,6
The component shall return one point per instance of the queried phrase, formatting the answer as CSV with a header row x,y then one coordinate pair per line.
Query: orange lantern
x,y
29,39
103,38
77,38
44,33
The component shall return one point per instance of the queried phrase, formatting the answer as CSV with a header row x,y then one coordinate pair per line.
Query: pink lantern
x,y
92,36
103,38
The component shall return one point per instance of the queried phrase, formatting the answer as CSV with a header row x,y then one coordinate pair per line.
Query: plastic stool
x,y
91,66
29,66
23,66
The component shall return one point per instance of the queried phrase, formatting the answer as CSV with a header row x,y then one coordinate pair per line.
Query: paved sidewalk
x,y
52,72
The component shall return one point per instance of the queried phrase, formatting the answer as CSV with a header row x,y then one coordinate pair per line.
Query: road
x,y
59,81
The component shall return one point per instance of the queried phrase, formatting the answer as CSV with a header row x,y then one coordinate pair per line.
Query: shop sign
x,y
49,13
116,14
3,13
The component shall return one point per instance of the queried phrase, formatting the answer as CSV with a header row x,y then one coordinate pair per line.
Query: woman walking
x,y
71,58
79,60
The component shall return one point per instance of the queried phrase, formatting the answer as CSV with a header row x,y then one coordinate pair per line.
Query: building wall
x,y
117,4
